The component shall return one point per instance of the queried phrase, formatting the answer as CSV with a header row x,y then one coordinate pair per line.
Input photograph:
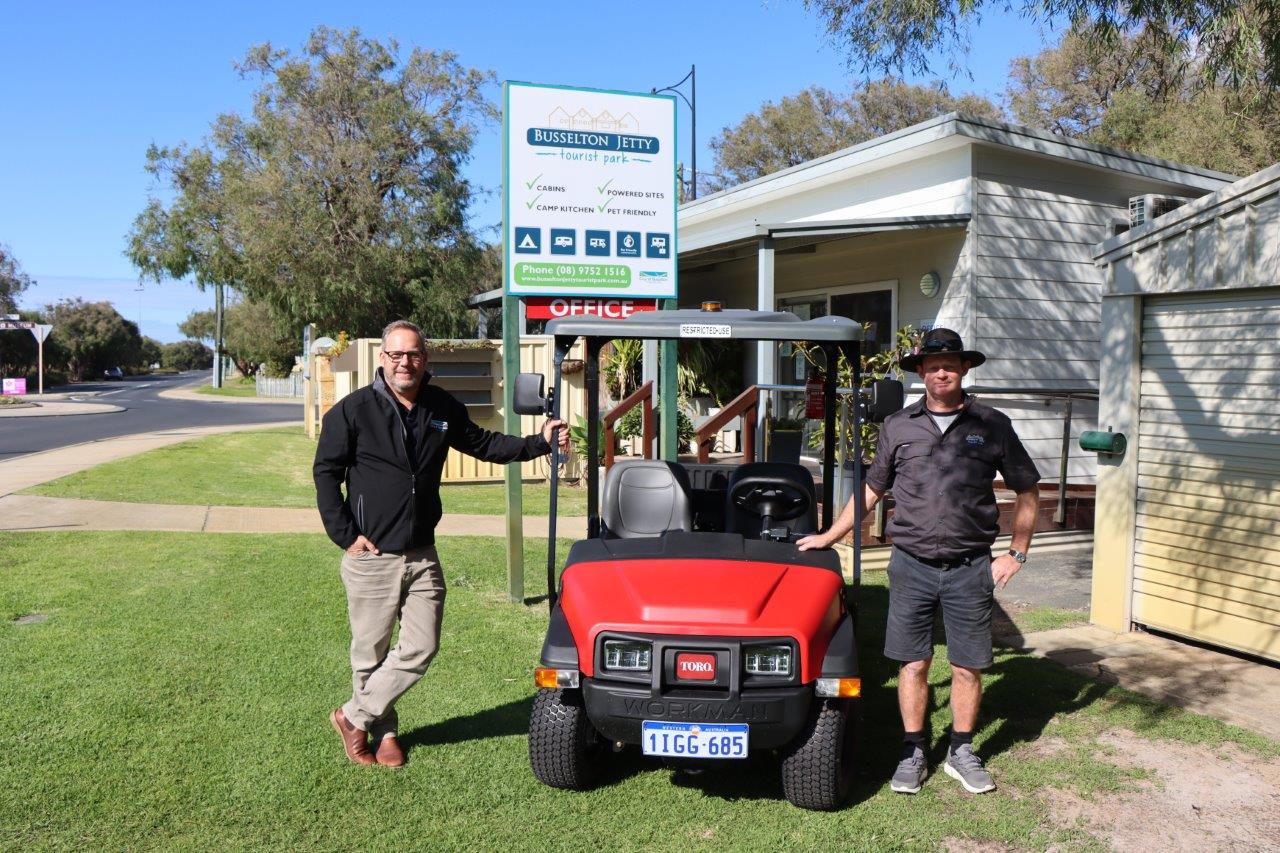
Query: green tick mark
x,y
605,187
530,204
606,204
531,183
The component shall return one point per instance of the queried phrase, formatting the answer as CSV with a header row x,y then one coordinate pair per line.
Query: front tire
x,y
817,768
565,751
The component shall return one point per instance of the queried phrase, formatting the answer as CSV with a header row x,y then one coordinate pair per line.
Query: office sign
x,y
589,193
554,307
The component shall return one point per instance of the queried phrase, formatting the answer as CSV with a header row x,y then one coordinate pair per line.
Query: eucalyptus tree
x,y
340,199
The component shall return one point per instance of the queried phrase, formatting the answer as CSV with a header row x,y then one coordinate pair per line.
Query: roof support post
x,y
592,355
512,328
830,359
669,421
766,369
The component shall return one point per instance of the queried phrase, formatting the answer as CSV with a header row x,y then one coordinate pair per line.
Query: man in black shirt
x,y
387,444
940,457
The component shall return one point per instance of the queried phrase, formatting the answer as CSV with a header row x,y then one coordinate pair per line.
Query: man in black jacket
x,y
387,444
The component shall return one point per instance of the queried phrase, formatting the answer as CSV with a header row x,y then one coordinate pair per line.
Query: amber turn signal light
x,y
545,677
840,688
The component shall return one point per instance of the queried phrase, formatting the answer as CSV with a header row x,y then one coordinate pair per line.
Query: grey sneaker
x,y
911,772
965,767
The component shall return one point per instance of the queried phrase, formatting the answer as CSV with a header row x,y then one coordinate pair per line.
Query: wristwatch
x,y
1020,556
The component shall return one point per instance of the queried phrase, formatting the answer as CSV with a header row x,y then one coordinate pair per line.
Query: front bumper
x,y
776,714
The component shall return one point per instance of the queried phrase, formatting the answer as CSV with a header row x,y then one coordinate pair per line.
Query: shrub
x,y
186,355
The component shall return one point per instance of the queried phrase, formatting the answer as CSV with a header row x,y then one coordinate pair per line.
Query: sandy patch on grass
x,y
969,845
1198,798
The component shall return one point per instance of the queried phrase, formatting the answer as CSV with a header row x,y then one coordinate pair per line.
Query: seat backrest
x,y
646,497
738,520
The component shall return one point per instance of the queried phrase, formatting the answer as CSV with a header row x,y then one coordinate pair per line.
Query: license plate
x,y
694,740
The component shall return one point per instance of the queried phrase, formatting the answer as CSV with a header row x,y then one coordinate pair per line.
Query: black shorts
x,y
964,589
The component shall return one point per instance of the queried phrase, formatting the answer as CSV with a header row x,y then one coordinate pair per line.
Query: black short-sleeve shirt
x,y
944,503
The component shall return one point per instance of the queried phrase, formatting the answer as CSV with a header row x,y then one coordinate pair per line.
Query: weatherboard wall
x,y
1037,294
1190,349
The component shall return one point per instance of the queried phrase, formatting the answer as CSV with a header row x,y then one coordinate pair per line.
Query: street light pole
x,y
692,77
138,290
667,441
217,336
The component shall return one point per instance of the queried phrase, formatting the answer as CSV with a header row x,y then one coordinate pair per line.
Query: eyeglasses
x,y
413,356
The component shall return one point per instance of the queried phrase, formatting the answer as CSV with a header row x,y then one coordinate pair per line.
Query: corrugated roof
x,y
983,130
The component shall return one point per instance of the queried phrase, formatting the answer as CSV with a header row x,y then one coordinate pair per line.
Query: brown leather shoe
x,y
353,740
389,753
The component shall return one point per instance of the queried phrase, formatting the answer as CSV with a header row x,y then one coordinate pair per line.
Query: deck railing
x,y
642,396
745,405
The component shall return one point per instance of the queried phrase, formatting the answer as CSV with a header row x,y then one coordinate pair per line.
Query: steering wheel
x,y
770,497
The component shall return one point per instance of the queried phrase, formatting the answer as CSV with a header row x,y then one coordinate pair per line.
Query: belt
x,y
945,565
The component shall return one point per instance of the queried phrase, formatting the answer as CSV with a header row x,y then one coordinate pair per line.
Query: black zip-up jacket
x,y
390,499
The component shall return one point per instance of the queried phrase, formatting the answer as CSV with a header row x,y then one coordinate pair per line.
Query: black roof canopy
x,y
732,324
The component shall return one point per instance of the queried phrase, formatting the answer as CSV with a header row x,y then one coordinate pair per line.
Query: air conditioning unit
x,y
1144,208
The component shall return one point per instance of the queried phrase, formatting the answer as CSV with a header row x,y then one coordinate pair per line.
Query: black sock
x,y
959,739
914,738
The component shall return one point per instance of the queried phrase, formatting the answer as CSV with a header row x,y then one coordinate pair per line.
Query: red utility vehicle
x,y
687,623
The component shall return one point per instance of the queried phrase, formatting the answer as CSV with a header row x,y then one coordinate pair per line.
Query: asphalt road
x,y
144,411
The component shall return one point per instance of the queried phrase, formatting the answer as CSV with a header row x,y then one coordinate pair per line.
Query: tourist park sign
x,y
589,193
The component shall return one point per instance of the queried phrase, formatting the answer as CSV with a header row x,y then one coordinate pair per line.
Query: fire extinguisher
x,y
813,395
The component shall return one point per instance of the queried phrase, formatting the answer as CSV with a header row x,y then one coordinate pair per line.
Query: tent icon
x,y
528,241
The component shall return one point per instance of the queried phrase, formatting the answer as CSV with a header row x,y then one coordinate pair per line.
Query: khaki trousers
x,y
381,590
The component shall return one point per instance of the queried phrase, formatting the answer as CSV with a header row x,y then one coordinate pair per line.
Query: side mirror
x,y
885,398
530,399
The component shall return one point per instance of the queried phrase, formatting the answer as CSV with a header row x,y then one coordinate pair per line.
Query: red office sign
x,y
555,307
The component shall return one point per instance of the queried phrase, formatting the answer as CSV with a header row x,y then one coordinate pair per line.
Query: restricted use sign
x,y
590,193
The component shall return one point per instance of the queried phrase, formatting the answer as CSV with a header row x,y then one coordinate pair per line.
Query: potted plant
x,y
785,438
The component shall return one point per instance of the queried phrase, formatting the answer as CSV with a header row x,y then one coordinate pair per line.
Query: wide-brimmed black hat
x,y
941,342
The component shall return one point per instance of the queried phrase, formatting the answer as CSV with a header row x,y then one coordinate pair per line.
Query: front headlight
x,y
627,655
767,660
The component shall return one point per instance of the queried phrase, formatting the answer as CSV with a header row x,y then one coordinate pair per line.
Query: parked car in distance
x,y
113,374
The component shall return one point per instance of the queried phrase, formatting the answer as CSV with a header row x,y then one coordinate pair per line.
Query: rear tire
x,y
817,768
565,751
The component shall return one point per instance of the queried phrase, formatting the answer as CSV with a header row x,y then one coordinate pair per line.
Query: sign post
x,y
40,331
589,197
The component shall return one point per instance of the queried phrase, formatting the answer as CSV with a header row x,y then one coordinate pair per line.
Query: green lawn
x,y
261,468
240,386
176,695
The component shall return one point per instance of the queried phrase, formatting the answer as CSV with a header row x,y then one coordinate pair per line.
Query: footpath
x,y
20,512
1231,688
59,404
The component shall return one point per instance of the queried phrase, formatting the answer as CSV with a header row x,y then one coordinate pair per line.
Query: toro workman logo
x,y
695,667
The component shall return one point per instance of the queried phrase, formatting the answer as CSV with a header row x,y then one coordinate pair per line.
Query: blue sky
x,y
89,86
